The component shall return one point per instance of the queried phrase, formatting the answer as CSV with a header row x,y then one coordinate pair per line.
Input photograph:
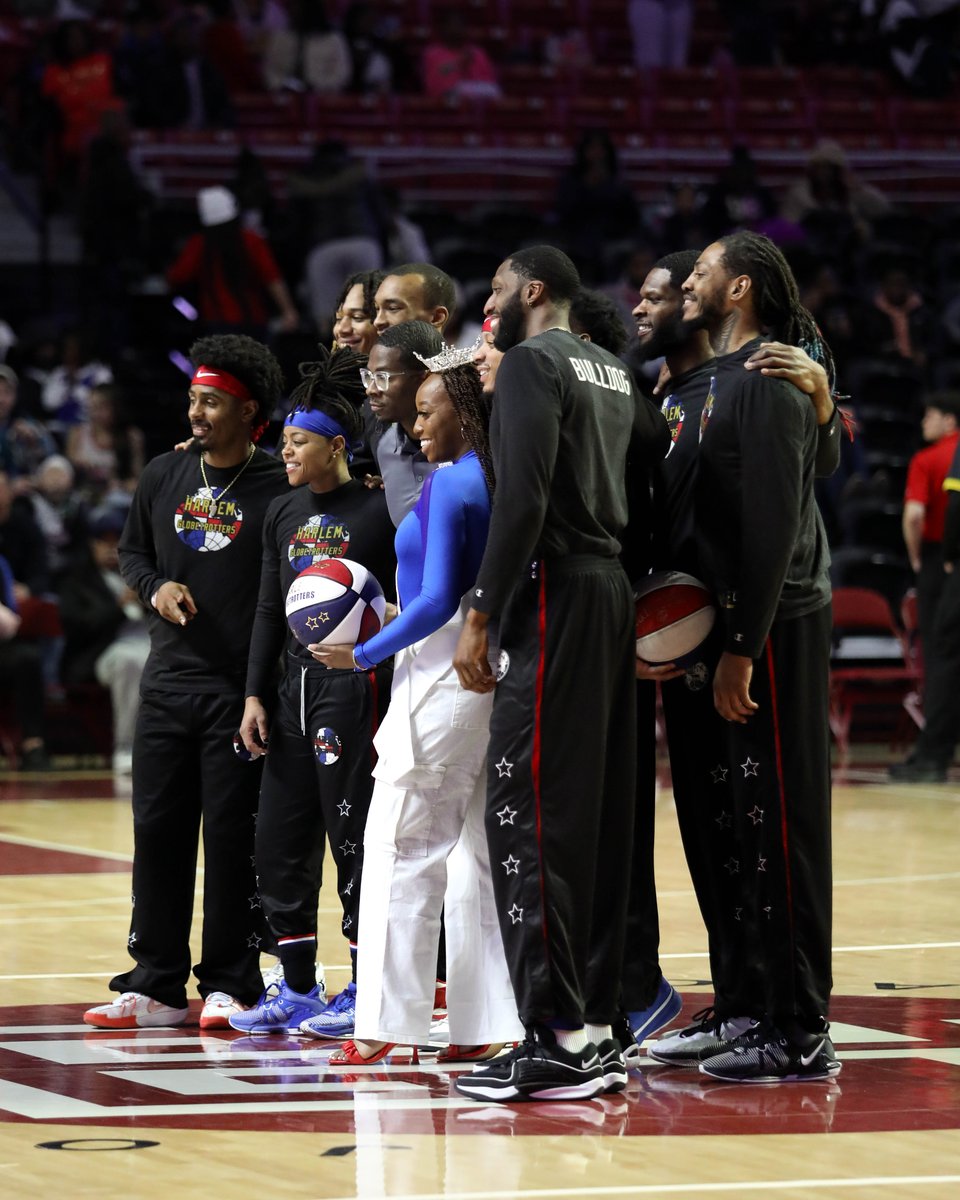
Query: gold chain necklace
x,y
223,491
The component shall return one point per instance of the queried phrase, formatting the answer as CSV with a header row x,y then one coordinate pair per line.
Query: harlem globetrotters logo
x,y
673,413
208,520
320,536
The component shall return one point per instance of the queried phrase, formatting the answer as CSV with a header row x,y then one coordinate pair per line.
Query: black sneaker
x,y
537,1069
612,1065
629,1046
708,1035
766,1055
918,770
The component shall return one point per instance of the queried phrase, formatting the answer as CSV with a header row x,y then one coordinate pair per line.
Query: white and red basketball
x,y
335,601
675,614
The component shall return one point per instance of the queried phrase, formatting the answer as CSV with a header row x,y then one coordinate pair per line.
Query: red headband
x,y
222,380
488,324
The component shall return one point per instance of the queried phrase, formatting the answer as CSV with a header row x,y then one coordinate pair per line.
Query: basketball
x,y
675,613
335,601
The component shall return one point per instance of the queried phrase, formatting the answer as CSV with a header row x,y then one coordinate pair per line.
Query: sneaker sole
x,y
806,1077
338,1035
261,1030
694,1059
614,1081
587,1090
158,1022
220,1021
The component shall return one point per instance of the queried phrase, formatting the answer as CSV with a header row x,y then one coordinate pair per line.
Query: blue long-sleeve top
x,y
439,545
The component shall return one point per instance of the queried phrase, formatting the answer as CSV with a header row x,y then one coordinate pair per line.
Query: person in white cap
x,y
232,270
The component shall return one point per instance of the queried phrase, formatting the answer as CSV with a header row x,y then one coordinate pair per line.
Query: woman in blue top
x,y
425,847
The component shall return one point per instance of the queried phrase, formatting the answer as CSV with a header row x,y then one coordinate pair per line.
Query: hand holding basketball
x,y
338,658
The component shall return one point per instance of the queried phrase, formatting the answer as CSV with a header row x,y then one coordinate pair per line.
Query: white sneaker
x,y
133,1010
218,1008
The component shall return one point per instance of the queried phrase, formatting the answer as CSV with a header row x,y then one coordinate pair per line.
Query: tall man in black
x,y
695,731
763,553
561,773
191,550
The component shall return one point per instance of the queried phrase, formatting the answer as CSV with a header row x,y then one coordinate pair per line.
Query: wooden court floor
x,y
177,1113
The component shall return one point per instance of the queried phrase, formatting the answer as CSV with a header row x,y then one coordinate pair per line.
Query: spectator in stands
x,y
176,86
310,54
738,200
21,677
919,40
378,64
257,20
226,49
897,322
591,186
79,83
24,443
682,224
59,511
453,67
660,31
830,191
925,504
595,317
106,634
251,186
67,386
232,270
106,450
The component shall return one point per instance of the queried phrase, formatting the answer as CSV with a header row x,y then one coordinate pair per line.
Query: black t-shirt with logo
x,y
353,522
210,540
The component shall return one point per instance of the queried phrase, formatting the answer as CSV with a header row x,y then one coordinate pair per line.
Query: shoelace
x,y
703,1020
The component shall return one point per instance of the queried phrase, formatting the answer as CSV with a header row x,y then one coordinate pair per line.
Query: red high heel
x,y
349,1055
455,1053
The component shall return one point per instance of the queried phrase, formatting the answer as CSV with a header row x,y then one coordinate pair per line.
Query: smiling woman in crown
x,y
425,848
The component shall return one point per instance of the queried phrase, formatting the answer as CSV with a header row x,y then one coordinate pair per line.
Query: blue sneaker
x,y
279,1013
337,1019
666,1005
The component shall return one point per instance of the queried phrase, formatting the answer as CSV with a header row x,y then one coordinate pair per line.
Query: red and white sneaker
x,y
133,1010
218,1008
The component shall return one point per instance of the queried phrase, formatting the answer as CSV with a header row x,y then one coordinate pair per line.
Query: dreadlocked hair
x,y
473,408
776,297
332,385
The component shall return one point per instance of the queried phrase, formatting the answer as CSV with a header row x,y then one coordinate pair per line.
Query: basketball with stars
x,y
337,602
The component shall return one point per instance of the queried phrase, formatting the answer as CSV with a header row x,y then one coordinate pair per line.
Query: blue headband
x,y
318,422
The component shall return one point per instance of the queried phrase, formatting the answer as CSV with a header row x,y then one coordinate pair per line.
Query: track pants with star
x,y
704,790
561,787
779,770
317,780
185,773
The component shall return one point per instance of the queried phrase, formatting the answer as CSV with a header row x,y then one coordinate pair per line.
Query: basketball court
x,y
160,1113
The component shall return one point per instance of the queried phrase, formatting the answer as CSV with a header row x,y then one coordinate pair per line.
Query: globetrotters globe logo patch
x,y
320,536
207,520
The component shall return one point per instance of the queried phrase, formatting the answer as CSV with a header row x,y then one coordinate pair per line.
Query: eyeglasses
x,y
381,379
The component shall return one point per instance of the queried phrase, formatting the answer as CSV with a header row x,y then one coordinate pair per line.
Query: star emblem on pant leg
x,y
761,863
511,865
343,808
733,866
756,815
506,815
253,941
515,914
254,901
132,940
719,774
348,847
749,767
768,910
504,768
348,890
725,820
347,922
738,914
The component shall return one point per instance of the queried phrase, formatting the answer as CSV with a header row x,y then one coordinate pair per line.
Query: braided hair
x,y
776,297
369,281
473,408
332,385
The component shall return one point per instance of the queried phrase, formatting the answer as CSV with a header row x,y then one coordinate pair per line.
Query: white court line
x,y
654,1189
37,844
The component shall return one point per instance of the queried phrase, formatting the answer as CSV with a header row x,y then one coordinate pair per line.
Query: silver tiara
x,y
450,357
